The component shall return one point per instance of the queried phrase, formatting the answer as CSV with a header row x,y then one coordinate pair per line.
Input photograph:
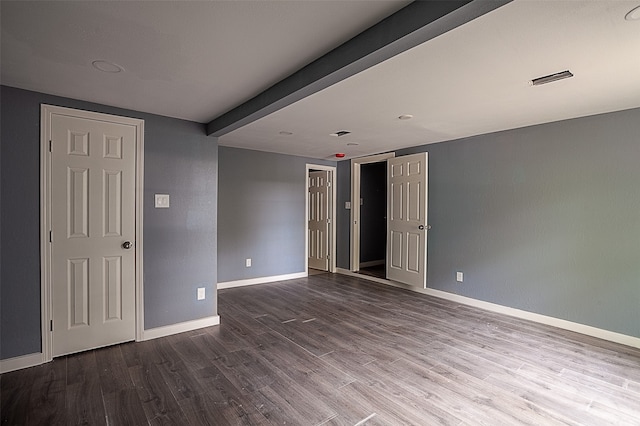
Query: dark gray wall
x,y
261,213
373,211
179,243
544,219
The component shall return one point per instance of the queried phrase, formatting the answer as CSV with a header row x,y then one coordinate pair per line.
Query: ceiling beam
x,y
411,26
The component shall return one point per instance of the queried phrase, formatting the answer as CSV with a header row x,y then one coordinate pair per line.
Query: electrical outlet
x,y
247,263
459,277
161,201
201,293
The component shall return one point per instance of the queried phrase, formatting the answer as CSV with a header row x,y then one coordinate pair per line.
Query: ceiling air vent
x,y
339,133
551,78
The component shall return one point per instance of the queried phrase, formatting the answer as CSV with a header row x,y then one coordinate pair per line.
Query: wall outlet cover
x,y
459,277
247,263
162,201
201,293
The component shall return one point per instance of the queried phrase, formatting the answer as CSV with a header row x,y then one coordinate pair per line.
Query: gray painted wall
x,y
261,213
373,211
179,243
544,219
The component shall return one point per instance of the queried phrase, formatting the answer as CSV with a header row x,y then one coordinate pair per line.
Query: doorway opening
x,y
320,235
90,246
356,208
406,227
373,219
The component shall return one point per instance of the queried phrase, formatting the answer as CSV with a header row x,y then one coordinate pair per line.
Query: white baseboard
x,y
25,361
261,280
372,263
154,333
588,330
19,362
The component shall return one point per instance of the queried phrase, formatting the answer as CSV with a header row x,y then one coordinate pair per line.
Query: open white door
x,y
319,188
407,179
93,208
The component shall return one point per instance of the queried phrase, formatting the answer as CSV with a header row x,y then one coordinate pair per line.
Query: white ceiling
x,y
187,59
470,81
198,60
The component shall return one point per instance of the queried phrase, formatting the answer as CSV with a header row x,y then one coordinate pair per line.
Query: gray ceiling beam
x,y
411,26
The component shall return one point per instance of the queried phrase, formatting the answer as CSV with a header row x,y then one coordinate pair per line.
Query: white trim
x,y
45,220
372,263
261,280
588,330
139,228
46,111
19,362
333,178
181,327
354,248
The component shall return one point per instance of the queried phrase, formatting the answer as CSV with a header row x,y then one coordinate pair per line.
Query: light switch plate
x,y
347,205
201,293
247,263
162,201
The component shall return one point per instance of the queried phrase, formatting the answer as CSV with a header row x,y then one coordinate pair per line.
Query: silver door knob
x,y
422,227
127,245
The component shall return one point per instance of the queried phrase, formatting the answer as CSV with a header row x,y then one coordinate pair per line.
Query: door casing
x,y
332,210
355,204
46,113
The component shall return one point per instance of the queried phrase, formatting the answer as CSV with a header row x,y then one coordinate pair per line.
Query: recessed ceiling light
x,y
283,133
405,117
633,15
339,133
106,66
551,78
353,144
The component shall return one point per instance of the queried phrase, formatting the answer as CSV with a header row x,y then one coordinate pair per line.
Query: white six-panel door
x,y
407,219
319,220
92,220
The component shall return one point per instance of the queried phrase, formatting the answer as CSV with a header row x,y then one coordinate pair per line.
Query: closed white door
x,y
319,220
407,219
93,229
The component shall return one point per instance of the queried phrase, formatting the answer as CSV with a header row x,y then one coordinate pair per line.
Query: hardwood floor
x,y
338,350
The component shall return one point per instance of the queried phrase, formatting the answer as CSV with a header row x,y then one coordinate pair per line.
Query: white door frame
x,y
332,231
46,113
355,204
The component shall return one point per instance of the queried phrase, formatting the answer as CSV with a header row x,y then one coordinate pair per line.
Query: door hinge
x,y
328,184
51,325
50,146
50,236
328,220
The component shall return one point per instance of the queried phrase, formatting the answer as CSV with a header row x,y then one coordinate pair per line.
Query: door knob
x,y
422,227
127,245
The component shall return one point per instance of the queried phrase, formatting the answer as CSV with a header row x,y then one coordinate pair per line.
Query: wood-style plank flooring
x,y
378,271
337,350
